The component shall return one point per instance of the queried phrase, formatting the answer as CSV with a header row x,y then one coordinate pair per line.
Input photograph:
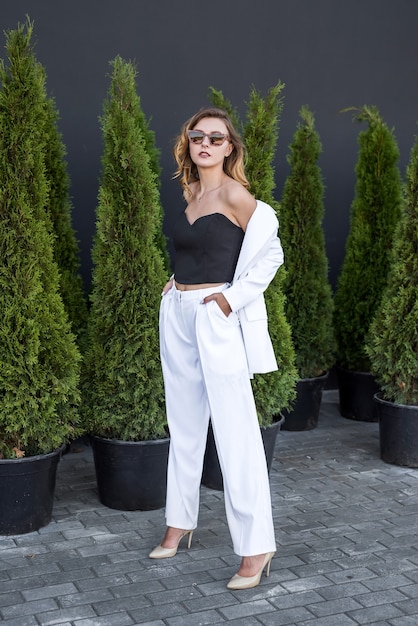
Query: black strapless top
x,y
207,251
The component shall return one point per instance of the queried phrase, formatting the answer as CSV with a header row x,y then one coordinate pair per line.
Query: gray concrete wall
x,y
331,54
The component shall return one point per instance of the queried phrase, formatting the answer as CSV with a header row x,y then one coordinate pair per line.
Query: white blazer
x,y
260,257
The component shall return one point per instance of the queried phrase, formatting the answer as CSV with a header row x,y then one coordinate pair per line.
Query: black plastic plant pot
x,y
27,488
356,391
212,474
269,436
398,432
131,475
304,414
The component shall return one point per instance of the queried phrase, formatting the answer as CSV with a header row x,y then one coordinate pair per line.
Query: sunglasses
x,y
215,139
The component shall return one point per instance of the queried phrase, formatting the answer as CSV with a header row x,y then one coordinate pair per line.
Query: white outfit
x,y
206,360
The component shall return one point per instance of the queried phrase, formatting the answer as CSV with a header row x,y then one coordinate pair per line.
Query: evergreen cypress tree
x,y
375,212
66,252
261,133
39,365
392,343
273,391
124,396
309,304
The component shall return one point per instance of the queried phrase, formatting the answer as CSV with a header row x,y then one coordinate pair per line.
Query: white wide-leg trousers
x,y
206,375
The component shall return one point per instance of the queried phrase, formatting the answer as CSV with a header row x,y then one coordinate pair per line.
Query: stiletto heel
x,y
247,582
165,553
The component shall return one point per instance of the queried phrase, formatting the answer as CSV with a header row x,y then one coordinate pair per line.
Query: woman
x,y
213,336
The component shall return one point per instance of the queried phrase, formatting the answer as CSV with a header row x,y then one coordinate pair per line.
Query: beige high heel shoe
x,y
247,582
165,553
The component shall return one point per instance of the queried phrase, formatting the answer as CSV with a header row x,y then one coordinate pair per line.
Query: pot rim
x,y
35,457
122,442
378,397
308,378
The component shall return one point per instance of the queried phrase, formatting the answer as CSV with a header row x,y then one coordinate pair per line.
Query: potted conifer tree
x,y
375,212
39,364
123,405
392,343
275,391
309,303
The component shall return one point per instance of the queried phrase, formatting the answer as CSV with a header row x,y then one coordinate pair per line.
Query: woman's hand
x,y
221,301
167,286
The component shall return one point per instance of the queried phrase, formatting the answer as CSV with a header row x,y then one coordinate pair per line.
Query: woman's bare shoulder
x,y
240,202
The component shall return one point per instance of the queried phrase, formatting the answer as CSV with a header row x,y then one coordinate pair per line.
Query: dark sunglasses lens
x,y
216,139
195,136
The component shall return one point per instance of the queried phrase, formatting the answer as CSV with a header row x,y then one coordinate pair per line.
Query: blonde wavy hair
x,y
233,164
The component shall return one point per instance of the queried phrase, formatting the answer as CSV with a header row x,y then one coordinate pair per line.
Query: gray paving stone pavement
x,y
347,534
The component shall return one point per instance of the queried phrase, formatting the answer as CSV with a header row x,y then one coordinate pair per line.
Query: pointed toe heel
x,y
165,553
247,582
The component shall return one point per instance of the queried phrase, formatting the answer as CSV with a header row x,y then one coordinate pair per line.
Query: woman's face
x,y
214,146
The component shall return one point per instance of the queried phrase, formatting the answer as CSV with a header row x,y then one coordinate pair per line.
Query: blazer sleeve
x,y
255,280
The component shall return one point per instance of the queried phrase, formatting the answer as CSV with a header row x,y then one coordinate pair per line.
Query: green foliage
x,y
392,344
375,212
274,391
124,396
149,141
39,367
66,252
261,132
309,304
154,163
